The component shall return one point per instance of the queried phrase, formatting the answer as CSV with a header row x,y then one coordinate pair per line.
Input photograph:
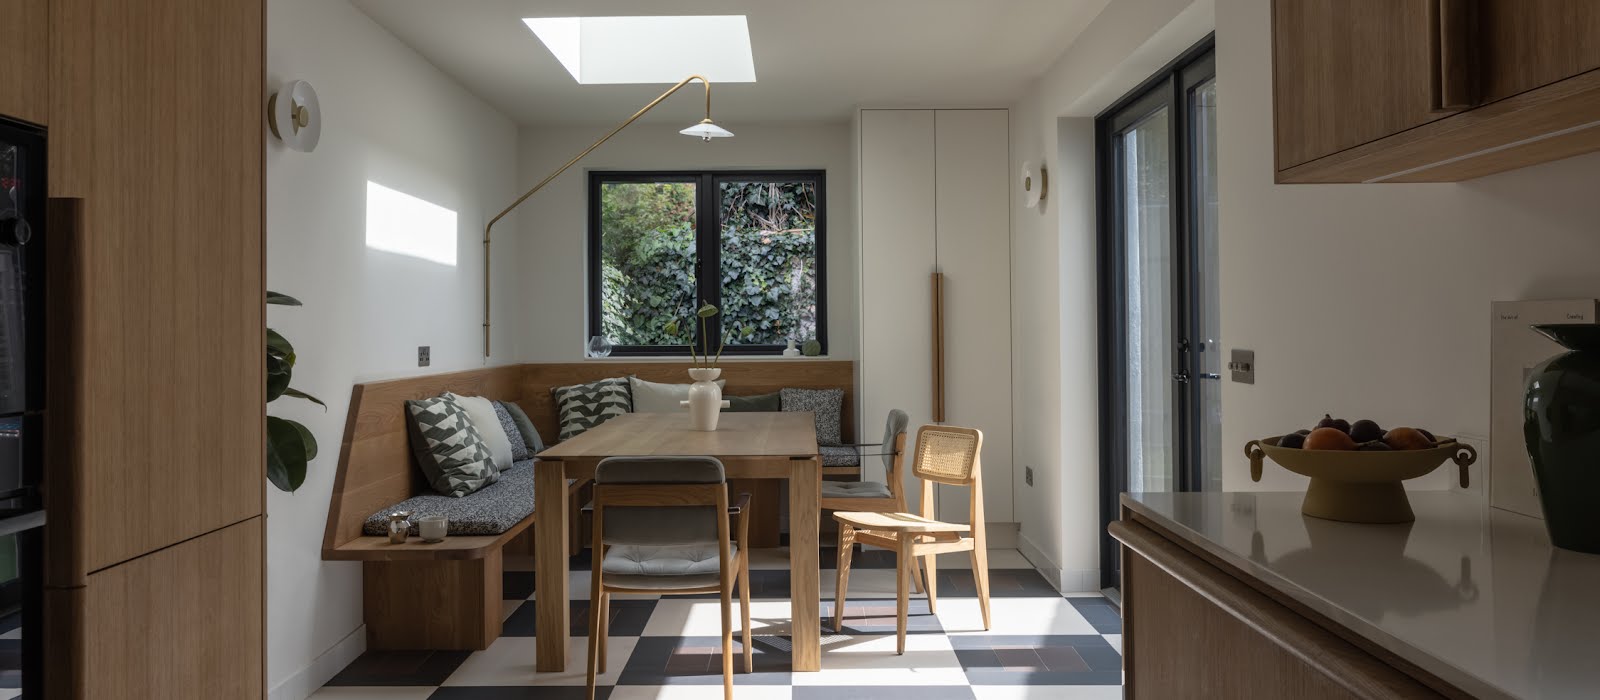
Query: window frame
x,y
708,249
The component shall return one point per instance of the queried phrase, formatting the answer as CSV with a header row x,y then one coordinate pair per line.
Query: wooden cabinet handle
x,y
1451,40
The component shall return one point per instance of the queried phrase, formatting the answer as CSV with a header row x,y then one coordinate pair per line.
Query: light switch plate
x,y
423,359
1243,366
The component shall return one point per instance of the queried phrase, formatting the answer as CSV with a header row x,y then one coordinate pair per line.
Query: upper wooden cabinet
x,y
24,59
1432,90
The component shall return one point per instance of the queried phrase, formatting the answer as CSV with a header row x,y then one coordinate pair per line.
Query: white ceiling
x,y
816,60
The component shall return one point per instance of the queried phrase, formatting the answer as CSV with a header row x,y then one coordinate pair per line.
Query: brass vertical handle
x,y
938,347
1451,28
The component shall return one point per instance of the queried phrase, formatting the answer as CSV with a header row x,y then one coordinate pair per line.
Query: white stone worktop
x,y
1476,596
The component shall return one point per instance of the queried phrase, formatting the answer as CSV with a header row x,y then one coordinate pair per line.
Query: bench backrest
x,y
375,464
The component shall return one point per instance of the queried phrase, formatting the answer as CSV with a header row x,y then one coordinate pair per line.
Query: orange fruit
x,y
1329,439
1407,439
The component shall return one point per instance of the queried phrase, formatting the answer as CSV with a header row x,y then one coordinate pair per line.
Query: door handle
x,y
1180,377
1210,375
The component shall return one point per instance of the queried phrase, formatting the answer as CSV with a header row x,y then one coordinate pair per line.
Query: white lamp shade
x,y
295,116
707,130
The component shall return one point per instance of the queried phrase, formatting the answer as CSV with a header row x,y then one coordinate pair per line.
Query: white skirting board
x,y
311,678
1064,580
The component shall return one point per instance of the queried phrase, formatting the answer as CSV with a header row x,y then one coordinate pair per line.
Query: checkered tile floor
x,y
1041,645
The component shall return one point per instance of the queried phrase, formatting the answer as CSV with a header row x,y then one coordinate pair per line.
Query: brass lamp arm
x,y
557,173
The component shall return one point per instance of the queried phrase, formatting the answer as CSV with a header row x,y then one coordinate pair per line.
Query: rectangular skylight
x,y
613,50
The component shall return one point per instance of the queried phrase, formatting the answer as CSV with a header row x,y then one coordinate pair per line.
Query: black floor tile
x,y
516,585
1003,583
769,584
698,661
519,693
396,668
872,616
1105,617
628,618
1038,660
883,692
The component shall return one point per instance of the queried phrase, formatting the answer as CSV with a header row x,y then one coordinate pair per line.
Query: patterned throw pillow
x,y
824,404
584,406
449,450
519,446
530,434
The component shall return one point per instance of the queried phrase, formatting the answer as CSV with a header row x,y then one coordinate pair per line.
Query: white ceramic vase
x,y
705,398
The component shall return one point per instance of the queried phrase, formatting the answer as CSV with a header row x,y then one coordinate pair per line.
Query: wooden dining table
x,y
750,446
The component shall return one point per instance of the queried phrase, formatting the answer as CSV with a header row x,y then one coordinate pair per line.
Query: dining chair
x,y
661,527
943,455
887,496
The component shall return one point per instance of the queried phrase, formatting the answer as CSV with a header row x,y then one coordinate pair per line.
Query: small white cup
x,y
432,528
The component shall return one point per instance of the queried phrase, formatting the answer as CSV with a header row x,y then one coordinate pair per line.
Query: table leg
x,y
550,565
805,509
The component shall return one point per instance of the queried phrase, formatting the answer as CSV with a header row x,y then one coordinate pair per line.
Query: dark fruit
x,y
1374,446
1365,431
1302,431
1293,441
1329,439
1428,435
1339,424
1407,439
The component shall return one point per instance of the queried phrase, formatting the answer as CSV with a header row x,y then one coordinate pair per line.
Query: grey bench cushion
x,y
663,568
855,489
833,456
490,510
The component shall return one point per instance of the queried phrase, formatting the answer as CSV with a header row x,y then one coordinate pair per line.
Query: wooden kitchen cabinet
x,y
1431,90
24,59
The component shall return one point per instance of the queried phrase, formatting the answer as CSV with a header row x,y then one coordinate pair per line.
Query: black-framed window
x,y
751,243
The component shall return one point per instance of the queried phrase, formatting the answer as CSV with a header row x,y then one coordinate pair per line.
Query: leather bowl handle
x,y
1252,450
1464,455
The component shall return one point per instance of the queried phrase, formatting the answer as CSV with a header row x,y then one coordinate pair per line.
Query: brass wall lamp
x,y
706,130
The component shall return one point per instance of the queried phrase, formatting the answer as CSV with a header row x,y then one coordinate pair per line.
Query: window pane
x,y
1203,107
647,262
1147,221
769,261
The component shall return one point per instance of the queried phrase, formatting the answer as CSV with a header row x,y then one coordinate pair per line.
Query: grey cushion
x,y
530,434
448,449
659,470
519,446
893,428
839,456
760,403
584,406
825,406
491,510
659,525
855,489
664,568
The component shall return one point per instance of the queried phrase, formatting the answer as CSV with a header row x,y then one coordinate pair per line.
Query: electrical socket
x,y
423,359
1027,475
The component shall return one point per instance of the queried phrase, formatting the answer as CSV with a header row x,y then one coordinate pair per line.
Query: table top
x,y
1474,595
752,434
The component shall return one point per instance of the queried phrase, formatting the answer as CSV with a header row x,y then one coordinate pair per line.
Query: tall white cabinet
x,y
934,197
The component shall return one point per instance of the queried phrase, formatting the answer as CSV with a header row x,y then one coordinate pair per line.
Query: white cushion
x,y
481,411
655,397
855,489
664,568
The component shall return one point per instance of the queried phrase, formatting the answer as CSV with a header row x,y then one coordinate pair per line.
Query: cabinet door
x,y
1346,72
897,261
24,59
1526,44
156,124
973,153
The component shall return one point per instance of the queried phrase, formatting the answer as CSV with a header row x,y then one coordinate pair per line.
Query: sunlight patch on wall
x,y
405,225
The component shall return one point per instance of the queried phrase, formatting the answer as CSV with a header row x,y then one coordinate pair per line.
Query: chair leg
x,y
744,610
847,543
932,564
905,563
604,623
727,639
594,632
980,576
916,580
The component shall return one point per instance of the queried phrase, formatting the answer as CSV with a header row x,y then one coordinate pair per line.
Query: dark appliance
x,y
22,516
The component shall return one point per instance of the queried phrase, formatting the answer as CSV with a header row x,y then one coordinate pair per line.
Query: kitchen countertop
x,y
1473,595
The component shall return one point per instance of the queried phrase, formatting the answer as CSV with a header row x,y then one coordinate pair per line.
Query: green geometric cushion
x,y
530,434
584,406
449,449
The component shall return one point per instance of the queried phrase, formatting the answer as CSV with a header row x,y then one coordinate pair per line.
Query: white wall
x,y
391,118
1373,300
552,310
1054,295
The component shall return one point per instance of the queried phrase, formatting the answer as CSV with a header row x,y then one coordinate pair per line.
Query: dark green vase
x,y
1561,424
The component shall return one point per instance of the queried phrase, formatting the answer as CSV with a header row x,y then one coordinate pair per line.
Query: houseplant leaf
x,y
281,299
291,391
286,453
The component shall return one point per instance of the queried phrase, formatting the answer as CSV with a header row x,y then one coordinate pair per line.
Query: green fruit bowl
x,y
1360,487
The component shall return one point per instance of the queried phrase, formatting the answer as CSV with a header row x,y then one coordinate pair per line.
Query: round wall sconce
x,y
295,116
1035,184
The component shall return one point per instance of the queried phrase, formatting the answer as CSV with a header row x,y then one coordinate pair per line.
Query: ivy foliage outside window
x,y
760,260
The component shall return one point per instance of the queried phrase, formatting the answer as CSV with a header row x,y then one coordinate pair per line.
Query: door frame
x,y
1168,87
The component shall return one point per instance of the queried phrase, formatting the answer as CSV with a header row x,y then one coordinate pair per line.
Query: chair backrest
x,y
893,428
948,455
657,501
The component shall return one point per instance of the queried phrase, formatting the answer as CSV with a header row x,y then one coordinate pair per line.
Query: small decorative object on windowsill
x,y
811,348
705,397
1563,436
599,346
399,526
791,350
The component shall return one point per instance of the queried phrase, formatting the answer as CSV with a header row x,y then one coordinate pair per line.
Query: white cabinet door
x,y
973,250
897,260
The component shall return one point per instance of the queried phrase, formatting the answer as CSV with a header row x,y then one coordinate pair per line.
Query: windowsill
x,y
685,358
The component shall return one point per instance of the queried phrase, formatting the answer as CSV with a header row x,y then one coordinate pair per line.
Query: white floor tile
x,y
1043,692
699,617
365,693
509,662
962,616
871,660
700,692
1115,640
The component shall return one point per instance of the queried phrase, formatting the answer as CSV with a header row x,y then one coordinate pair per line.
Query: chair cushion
x,y
584,406
530,434
448,449
837,456
487,423
663,568
760,403
656,397
855,489
491,510
824,404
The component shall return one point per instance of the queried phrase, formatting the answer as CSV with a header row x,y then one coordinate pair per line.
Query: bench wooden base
x,y
439,604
